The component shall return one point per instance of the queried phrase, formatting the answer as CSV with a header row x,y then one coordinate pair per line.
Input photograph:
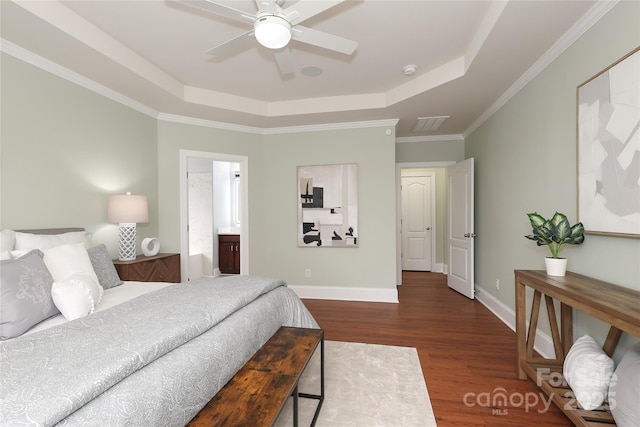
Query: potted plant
x,y
555,233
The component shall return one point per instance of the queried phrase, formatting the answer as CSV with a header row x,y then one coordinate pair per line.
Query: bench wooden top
x,y
256,394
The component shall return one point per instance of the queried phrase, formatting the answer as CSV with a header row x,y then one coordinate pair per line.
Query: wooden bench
x,y
256,394
617,306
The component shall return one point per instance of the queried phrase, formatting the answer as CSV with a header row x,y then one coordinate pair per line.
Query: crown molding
x,y
601,8
331,126
73,77
430,138
275,131
64,73
208,123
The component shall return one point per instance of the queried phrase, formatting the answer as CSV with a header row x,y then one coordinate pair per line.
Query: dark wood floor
x,y
467,354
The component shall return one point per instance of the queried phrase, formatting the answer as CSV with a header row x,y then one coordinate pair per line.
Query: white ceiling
x,y
469,56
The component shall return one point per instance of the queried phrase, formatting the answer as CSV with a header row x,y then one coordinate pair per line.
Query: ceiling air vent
x,y
429,124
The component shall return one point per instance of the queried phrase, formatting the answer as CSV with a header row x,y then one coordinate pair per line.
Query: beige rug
x,y
366,385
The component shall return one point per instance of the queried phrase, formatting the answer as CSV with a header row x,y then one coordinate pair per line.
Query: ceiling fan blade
x,y
303,10
220,9
267,6
324,40
237,43
283,59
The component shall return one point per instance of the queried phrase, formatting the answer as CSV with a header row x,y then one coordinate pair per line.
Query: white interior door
x,y
461,235
417,230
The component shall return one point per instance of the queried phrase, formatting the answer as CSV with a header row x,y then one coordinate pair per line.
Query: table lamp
x,y
127,210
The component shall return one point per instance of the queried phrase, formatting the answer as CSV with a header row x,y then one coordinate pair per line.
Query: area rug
x,y
366,385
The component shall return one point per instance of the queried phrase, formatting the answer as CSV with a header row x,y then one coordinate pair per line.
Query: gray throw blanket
x,y
49,375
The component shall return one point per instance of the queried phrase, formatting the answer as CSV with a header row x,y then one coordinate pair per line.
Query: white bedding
x,y
111,298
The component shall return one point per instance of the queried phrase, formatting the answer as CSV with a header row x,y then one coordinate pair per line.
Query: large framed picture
x,y
328,206
608,133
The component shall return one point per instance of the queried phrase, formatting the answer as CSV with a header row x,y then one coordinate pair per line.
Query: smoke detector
x,y
409,70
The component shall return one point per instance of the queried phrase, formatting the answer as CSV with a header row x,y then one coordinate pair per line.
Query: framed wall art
x,y
328,206
608,133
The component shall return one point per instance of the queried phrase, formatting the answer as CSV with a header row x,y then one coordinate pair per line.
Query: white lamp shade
x,y
272,31
128,208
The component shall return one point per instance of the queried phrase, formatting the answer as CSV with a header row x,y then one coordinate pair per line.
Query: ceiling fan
x,y
274,27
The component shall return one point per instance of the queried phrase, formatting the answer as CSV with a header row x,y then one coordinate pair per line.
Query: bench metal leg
x,y
320,397
295,406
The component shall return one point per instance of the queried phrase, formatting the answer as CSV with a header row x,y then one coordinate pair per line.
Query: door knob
x,y
428,228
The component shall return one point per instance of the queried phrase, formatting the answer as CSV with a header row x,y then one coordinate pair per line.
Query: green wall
x,y
65,149
373,263
525,159
430,151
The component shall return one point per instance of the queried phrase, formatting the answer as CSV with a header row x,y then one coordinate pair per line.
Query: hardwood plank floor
x,y
467,354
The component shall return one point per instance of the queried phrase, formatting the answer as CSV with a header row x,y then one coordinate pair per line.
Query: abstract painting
x,y
328,206
609,149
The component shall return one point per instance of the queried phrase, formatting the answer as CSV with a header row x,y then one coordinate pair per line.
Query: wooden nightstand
x,y
157,268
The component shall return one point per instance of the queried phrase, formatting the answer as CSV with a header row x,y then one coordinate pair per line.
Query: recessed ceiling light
x,y
409,70
311,71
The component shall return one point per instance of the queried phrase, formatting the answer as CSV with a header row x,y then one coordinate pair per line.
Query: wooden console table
x,y
615,305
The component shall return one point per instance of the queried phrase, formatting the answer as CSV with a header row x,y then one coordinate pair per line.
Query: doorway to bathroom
x,y
213,213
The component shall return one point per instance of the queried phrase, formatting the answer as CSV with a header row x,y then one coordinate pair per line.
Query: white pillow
x,y
17,254
65,260
75,296
7,240
588,371
46,241
624,391
5,255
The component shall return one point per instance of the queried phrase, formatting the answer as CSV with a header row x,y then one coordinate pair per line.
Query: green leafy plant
x,y
555,232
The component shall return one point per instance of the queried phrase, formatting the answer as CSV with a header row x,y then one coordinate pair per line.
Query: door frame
x,y
184,204
399,168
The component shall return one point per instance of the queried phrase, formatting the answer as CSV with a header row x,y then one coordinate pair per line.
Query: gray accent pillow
x,y
103,266
25,294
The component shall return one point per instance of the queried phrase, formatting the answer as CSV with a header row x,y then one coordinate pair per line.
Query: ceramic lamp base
x,y
127,244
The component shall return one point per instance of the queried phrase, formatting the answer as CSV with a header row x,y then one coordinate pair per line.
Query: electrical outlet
x,y
307,272
498,284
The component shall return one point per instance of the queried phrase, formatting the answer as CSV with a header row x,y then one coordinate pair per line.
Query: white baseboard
x,y
544,343
346,293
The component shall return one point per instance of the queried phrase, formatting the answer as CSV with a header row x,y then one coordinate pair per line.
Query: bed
x,y
150,354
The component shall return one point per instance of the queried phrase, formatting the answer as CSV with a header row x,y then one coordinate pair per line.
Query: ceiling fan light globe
x,y
272,32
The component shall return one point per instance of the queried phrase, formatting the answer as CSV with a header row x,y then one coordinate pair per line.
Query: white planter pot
x,y
556,266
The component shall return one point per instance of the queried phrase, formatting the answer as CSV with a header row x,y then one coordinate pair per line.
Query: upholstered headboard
x,y
51,230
